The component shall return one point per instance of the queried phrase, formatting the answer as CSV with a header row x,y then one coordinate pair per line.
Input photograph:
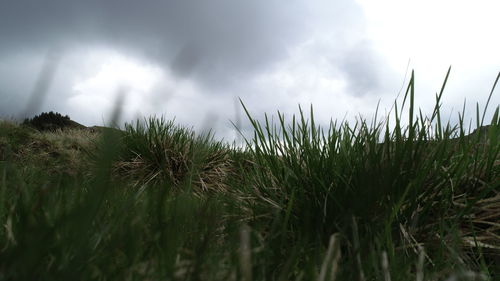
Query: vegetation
x,y
159,151
50,121
299,202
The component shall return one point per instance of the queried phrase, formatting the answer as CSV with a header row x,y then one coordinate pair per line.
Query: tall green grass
x,y
363,201
411,192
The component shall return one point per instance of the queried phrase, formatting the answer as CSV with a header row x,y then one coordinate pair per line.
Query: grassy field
x,y
155,201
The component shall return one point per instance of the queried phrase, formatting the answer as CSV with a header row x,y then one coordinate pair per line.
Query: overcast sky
x,y
192,59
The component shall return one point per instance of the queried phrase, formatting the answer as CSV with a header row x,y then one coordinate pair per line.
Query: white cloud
x,y
108,73
434,34
309,77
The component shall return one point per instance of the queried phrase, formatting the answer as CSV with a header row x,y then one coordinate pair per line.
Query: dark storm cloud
x,y
211,41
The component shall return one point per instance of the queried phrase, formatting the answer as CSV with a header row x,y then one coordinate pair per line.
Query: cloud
x,y
360,67
273,54
210,40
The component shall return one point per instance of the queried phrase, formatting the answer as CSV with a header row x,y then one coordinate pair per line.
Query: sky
x,y
193,60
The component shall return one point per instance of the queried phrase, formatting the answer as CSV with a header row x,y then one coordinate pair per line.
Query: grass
x,y
159,151
156,201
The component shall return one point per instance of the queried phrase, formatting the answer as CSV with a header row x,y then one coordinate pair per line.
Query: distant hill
x,y
52,121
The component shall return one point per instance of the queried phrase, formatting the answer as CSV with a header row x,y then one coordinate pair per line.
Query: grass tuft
x,y
158,151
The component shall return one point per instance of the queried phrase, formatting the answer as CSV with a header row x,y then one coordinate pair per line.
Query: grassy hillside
x,y
299,202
